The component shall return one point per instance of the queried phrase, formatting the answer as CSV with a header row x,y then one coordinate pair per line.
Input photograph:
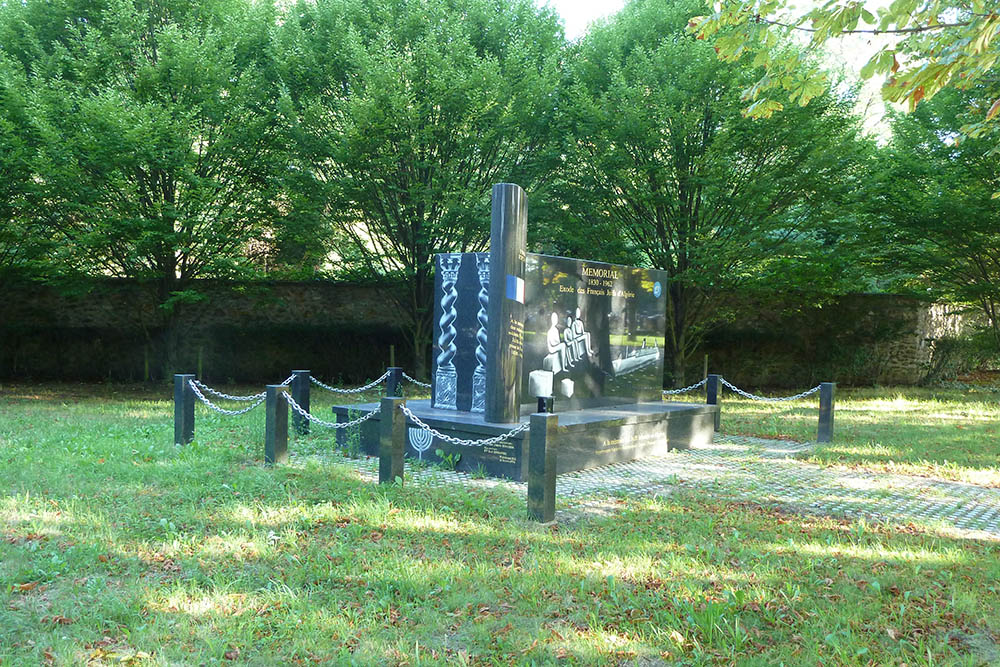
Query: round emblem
x,y
657,289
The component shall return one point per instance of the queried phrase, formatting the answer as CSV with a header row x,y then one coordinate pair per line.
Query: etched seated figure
x,y
572,351
555,360
582,335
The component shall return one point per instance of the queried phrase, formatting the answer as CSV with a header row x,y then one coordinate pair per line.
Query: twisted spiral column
x,y
445,377
479,376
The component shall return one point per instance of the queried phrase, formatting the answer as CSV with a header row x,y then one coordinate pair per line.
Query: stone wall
x,y
856,339
114,330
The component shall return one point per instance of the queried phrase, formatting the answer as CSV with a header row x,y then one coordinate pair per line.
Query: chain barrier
x,y
681,391
425,385
350,391
316,420
755,397
232,413
458,441
204,387
288,380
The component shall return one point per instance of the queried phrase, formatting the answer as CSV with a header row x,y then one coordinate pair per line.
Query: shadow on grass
x,y
313,564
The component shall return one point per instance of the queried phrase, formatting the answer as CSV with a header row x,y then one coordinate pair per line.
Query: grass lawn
x,y
945,433
115,548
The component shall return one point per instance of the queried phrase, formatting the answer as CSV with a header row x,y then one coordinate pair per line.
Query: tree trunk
x,y
680,362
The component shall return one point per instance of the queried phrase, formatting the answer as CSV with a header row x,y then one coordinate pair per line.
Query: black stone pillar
x,y
825,432
300,394
542,445
505,330
391,441
712,397
183,409
394,383
275,424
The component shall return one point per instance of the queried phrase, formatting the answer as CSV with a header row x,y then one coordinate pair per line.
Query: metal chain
x,y
288,380
350,391
232,413
316,420
228,397
458,441
755,397
681,391
425,385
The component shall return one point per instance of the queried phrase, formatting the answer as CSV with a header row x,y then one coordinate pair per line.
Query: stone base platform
x,y
587,438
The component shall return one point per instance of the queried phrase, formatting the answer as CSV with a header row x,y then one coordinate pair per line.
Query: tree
x,y
155,149
934,46
662,163
406,113
22,240
932,206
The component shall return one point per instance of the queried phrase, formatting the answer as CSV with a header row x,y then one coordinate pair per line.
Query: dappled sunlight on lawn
x,y
874,553
935,432
201,555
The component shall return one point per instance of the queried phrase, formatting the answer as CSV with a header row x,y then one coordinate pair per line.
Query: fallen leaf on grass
x,y
231,654
58,620
893,634
24,588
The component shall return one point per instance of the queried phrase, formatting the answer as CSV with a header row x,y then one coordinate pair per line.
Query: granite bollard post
x,y
543,441
275,424
394,383
300,394
712,397
825,431
391,441
183,409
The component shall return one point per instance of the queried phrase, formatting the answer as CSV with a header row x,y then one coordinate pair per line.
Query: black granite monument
x,y
510,326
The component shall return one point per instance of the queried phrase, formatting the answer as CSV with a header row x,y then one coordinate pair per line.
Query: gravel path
x,y
744,468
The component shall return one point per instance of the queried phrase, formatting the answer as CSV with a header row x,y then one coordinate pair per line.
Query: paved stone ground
x,y
744,468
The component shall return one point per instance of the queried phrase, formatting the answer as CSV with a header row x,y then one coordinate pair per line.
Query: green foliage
x,y
405,114
936,45
152,143
448,460
932,210
22,236
661,168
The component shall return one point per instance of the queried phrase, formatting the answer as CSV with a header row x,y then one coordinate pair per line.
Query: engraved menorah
x,y
445,377
420,440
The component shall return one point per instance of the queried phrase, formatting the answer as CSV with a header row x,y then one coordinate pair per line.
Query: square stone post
x,y
391,440
275,424
505,312
712,397
542,446
394,383
825,431
300,394
183,409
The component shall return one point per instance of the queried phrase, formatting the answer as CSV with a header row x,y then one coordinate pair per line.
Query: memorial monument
x,y
510,326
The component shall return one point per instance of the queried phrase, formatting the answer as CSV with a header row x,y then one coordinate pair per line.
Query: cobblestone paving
x,y
743,468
